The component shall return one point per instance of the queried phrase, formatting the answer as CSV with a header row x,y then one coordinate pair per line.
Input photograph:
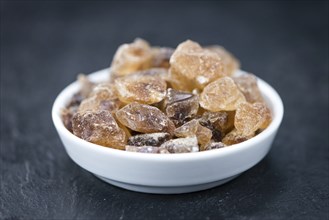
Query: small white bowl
x,y
167,173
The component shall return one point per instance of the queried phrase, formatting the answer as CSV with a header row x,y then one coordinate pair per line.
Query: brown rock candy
x,y
231,64
66,116
68,112
193,128
235,137
219,123
76,100
221,95
251,117
155,72
142,149
163,151
127,131
153,139
214,145
99,128
180,106
132,57
144,118
104,89
140,88
161,73
161,56
177,84
86,86
181,145
195,67
247,83
102,97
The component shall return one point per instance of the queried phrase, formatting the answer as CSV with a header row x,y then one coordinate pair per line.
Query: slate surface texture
x,y
44,45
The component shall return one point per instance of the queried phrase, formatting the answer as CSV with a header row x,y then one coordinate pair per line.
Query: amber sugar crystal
x,y
193,128
180,106
143,89
194,66
231,64
99,127
247,83
132,57
102,97
181,145
251,117
221,95
235,137
144,118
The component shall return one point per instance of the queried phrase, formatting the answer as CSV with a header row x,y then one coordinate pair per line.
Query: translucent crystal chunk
x,y
144,118
247,83
231,64
155,72
67,118
106,90
132,57
251,117
143,149
102,97
163,151
195,67
161,56
221,95
219,123
181,145
86,86
153,139
140,88
235,137
193,128
214,145
100,128
181,106
68,112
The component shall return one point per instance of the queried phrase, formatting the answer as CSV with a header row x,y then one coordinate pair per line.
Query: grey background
x,y
45,44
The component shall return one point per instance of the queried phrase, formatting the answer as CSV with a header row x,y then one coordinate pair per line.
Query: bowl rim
x,y
267,91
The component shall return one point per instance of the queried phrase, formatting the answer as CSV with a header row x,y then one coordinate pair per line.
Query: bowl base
x,y
166,190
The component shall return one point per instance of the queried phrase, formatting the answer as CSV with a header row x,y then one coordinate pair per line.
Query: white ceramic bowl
x,y
167,173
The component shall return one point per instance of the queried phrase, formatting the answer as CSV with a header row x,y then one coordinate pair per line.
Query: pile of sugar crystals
x,y
166,100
